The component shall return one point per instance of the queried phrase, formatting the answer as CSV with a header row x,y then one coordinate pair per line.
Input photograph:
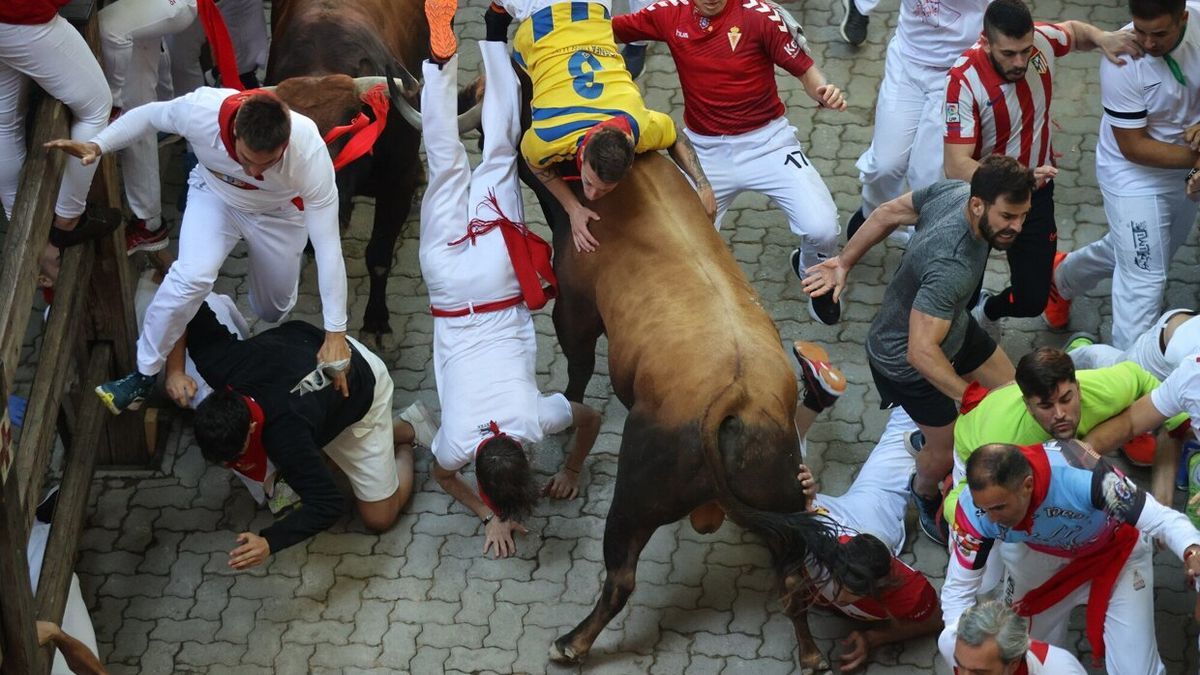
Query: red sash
x,y
530,254
253,462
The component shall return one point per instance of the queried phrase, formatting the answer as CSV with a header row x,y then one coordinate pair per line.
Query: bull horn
x,y
400,102
466,121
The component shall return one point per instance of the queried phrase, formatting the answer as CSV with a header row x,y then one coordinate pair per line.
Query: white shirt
x,y
1144,94
454,447
936,32
1180,392
305,171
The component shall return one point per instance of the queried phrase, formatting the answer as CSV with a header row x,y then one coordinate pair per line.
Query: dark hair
x,y
866,568
1041,371
1152,9
997,464
221,423
262,123
1010,18
505,477
999,175
610,153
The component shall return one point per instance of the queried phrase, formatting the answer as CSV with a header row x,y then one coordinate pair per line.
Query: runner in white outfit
x,y
1160,349
484,347
992,638
43,47
1149,101
906,146
291,200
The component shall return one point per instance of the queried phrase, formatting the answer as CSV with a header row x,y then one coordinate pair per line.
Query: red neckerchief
x,y
253,462
222,47
528,253
620,122
1040,463
228,111
496,433
365,131
972,397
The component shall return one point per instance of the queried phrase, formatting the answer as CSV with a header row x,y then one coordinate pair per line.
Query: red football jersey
x,y
726,63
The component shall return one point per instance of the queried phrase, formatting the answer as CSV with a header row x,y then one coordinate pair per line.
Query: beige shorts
x,y
364,451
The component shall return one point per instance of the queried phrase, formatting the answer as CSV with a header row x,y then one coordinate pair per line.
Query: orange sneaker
x,y
443,44
1140,449
823,383
1058,308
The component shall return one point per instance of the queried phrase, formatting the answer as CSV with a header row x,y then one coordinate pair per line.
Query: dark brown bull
x,y
319,39
710,392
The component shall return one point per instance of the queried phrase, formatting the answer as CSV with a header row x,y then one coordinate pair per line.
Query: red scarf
x,y
365,131
972,397
218,40
530,254
253,462
1040,463
620,122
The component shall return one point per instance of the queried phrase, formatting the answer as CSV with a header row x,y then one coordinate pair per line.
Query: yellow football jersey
x,y
579,80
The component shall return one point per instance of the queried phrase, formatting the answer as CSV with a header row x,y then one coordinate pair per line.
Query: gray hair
x,y
996,621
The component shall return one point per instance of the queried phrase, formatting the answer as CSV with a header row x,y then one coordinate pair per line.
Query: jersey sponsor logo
x,y
705,23
1056,512
994,100
1138,582
681,34
735,36
1040,65
952,113
966,544
1120,496
1141,244
1148,87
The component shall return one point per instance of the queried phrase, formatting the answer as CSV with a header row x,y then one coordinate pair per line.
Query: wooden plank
x,y
29,229
17,629
55,362
80,463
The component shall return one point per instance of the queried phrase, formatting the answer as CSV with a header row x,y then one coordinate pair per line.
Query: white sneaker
x,y
422,423
977,311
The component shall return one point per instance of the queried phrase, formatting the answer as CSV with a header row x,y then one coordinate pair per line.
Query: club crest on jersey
x,y
705,23
735,36
1039,63
952,113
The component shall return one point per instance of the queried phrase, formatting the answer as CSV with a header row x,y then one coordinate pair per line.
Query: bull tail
x,y
793,537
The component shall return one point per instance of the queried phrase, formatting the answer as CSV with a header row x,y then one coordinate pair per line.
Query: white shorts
x,y
364,451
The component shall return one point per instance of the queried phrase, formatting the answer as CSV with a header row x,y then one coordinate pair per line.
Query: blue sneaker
x,y
928,512
127,393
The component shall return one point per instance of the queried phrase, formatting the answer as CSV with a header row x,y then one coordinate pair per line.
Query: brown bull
x,y
710,392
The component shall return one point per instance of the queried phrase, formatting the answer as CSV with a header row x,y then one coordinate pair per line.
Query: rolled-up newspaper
x,y
320,377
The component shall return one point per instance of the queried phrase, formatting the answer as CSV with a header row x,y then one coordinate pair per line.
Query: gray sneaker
x,y
419,418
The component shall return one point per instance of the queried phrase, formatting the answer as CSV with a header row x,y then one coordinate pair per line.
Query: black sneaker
x,y
854,24
928,515
854,223
127,393
496,21
635,59
821,308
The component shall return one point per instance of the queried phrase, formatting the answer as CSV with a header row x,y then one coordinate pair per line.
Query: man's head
x,y
222,426
607,156
1008,37
992,640
864,571
505,477
709,8
261,129
1046,378
1001,190
1001,482
1158,25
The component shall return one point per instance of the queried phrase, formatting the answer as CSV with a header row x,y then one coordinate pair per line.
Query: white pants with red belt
x,y
131,41
1147,350
53,55
1129,638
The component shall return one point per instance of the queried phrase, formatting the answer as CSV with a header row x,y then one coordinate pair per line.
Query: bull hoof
x,y
563,653
821,667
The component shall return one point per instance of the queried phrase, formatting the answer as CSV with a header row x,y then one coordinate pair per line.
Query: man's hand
x,y
181,388
581,216
1191,136
1044,174
333,350
808,485
564,485
708,199
47,631
86,151
825,277
831,97
1116,43
855,651
252,552
499,536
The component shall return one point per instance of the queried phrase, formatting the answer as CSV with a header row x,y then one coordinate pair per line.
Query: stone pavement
x,y
421,598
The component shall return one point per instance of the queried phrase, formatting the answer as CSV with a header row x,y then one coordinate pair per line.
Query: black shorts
x,y
922,401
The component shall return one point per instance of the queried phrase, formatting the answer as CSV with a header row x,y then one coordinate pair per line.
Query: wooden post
x,y
21,655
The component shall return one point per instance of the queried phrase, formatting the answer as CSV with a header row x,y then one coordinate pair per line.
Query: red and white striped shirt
x,y
1000,117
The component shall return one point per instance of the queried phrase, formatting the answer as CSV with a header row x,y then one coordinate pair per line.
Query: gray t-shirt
x,y
938,275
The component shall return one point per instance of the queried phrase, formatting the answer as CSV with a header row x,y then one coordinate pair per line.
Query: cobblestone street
x,y
423,599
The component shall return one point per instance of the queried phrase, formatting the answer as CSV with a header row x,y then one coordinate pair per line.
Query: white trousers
x,y
76,621
1144,234
480,271
209,231
770,160
906,147
1146,350
55,56
865,6
247,26
1130,644
131,33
